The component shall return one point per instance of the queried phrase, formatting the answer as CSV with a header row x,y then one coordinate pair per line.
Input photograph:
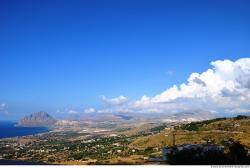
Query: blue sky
x,y
58,54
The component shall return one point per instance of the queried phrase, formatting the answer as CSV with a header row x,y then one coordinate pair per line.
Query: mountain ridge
x,y
37,119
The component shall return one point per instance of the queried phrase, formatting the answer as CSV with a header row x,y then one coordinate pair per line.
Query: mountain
x,y
37,119
124,117
195,115
183,116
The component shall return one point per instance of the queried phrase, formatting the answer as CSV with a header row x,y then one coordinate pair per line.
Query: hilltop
x,y
37,119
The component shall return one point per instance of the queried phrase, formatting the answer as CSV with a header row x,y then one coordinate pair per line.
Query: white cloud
x,y
114,101
225,87
170,73
89,110
3,108
72,112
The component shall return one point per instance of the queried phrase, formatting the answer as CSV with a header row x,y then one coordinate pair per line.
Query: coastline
x,y
18,131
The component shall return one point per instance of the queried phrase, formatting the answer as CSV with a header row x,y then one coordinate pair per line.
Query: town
x,y
154,145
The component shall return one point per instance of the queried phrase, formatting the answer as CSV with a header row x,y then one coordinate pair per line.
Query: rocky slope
x,y
37,119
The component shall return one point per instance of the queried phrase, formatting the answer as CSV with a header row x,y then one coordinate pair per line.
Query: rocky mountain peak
x,y
37,119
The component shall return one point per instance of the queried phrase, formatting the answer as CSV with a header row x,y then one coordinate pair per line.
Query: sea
x,y
8,129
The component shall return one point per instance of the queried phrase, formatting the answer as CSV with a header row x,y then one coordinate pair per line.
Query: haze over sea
x,y
8,129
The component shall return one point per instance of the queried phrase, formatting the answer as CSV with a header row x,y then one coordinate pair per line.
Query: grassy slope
x,y
212,130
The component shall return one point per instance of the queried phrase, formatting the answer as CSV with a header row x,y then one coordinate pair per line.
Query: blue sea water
x,y
8,129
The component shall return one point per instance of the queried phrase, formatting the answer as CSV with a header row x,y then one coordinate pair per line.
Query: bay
x,y
8,129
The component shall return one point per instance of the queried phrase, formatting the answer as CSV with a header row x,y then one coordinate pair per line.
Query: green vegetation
x,y
215,131
130,146
158,128
196,126
241,117
236,156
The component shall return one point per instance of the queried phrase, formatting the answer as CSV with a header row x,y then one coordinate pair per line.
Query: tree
x,y
196,157
238,154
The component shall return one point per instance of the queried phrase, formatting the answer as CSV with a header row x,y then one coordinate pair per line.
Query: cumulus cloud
x,y
3,108
114,101
89,110
170,73
72,112
224,87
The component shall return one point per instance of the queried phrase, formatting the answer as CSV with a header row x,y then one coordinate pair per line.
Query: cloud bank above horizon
x,y
225,87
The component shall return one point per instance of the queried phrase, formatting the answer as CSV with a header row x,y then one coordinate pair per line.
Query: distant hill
x,y
124,117
37,119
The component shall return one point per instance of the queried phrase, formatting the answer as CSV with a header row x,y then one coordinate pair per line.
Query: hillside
x,y
216,131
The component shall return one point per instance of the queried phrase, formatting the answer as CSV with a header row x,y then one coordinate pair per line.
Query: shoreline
x,y
24,133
